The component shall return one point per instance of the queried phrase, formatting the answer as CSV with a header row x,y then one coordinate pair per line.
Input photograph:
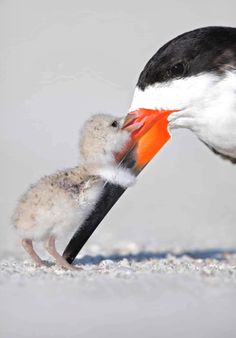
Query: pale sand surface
x,y
129,292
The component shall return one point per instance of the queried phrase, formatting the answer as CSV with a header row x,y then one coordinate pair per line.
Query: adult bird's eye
x,y
115,124
178,69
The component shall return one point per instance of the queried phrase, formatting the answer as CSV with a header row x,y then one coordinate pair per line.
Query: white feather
x,y
206,104
117,175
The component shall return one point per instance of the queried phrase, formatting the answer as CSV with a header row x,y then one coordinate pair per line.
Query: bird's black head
x,y
201,50
194,76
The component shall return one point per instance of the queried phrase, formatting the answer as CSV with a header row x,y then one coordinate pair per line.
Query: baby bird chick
x,y
60,202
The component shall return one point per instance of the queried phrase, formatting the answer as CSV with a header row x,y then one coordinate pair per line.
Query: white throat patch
x,y
206,104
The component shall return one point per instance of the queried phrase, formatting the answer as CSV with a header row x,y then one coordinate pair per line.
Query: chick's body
x,y
60,202
57,203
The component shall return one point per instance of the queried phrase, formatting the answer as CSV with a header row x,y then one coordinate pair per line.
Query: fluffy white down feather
x,y
117,175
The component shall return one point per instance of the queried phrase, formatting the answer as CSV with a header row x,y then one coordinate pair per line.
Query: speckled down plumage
x,y
60,202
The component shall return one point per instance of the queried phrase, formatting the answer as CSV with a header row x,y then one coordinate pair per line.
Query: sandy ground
x,y
130,291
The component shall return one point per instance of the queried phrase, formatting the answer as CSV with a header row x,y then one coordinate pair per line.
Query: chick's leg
x,y
28,246
49,245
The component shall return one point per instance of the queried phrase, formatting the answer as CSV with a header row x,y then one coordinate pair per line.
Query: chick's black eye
x,y
178,69
114,124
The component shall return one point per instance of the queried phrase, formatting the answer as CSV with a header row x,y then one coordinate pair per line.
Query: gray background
x,y
60,62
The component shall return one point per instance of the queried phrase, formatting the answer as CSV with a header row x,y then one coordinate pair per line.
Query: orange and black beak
x,y
149,133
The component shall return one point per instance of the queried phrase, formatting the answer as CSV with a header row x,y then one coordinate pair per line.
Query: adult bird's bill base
x,y
144,145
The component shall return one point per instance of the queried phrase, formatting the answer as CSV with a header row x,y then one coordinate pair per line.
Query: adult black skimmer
x,y
192,80
195,75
